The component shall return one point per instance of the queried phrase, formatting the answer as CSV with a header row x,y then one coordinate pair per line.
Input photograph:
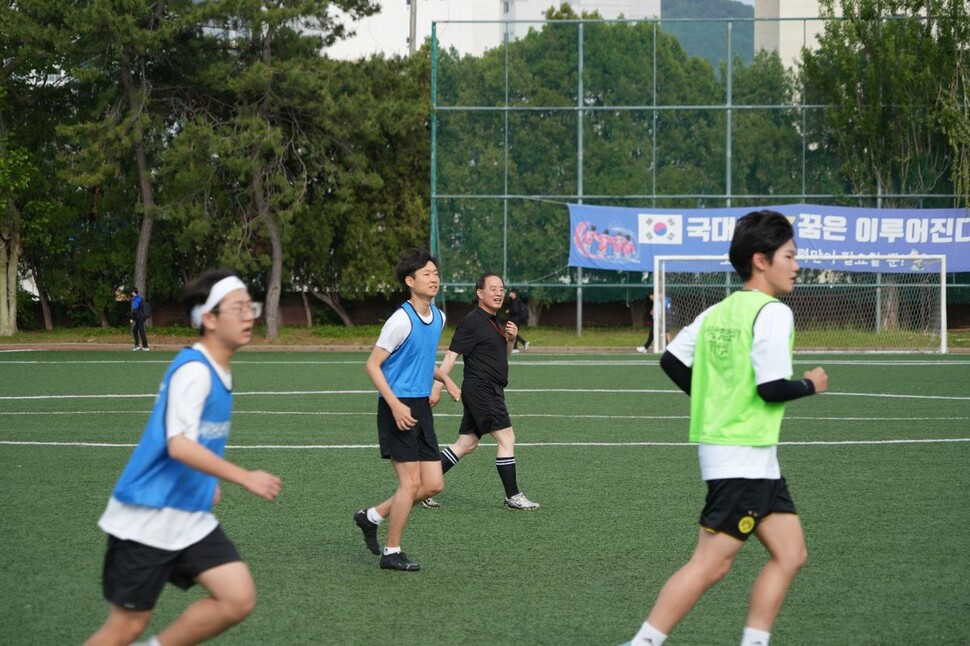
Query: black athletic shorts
x,y
735,506
135,574
485,411
417,444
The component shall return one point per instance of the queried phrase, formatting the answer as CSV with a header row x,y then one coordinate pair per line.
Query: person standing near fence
x,y
138,320
735,363
518,314
159,518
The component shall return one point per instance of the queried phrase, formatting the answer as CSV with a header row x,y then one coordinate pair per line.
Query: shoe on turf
x,y
135,349
519,501
145,349
641,349
430,503
398,561
369,529
526,346
515,351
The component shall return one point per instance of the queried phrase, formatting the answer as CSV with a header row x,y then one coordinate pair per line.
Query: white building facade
x,y
785,26
470,26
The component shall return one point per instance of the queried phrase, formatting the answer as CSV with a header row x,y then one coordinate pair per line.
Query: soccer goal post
x,y
841,303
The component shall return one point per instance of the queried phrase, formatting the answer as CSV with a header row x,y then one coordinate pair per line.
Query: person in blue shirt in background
x,y
138,320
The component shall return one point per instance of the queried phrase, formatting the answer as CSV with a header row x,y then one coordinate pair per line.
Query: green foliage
x,y
305,172
881,78
530,152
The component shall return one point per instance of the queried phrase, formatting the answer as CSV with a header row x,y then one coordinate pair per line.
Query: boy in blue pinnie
x,y
159,519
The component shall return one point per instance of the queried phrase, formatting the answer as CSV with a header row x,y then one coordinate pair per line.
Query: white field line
x,y
324,413
545,361
595,391
532,444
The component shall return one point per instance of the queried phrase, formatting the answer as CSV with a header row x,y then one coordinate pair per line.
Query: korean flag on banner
x,y
660,229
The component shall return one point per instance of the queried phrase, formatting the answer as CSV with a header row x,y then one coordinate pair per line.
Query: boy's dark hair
x,y
481,280
412,260
196,291
758,232
134,290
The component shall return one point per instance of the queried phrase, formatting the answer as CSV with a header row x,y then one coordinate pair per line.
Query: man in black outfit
x,y
518,314
486,345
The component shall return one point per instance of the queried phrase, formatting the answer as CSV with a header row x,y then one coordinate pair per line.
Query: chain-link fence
x,y
671,114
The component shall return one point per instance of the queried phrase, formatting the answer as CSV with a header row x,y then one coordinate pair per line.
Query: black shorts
x,y
135,574
735,506
485,411
417,444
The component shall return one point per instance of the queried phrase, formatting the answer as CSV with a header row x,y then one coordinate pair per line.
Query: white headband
x,y
216,294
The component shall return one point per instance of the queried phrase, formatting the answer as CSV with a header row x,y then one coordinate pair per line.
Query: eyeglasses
x,y
241,310
494,290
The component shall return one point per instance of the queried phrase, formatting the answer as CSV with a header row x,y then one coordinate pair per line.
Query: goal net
x,y
840,302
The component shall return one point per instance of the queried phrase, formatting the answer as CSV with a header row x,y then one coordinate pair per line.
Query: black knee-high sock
x,y
506,471
448,460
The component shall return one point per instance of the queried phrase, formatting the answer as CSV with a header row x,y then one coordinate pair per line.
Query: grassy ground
x,y
877,467
616,338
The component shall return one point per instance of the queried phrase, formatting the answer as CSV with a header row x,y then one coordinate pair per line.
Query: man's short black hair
x,y
481,280
758,232
411,261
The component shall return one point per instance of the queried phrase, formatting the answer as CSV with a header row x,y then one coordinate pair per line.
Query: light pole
x,y
412,33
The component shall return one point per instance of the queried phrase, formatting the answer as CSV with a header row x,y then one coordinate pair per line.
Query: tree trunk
x,y
274,285
45,301
9,259
144,177
638,312
535,312
890,304
333,302
306,308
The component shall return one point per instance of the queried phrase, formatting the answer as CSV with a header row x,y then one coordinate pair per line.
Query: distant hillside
x,y
709,40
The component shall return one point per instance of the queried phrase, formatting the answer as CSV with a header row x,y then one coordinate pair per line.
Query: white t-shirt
x,y
397,328
771,358
168,528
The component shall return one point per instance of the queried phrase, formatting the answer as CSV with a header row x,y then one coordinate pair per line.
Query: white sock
x,y
374,517
754,637
391,550
648,636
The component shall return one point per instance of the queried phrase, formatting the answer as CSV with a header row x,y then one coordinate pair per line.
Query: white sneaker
x,y
641,349
515,351
135,349
526,345
430,503
519,501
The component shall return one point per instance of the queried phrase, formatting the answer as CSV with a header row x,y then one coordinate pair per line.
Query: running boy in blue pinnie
x,y
159,519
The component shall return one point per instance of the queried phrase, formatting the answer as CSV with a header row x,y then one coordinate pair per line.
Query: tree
x,y
370,200
623,149
126,54
258,125
28,64
882,70
888,74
